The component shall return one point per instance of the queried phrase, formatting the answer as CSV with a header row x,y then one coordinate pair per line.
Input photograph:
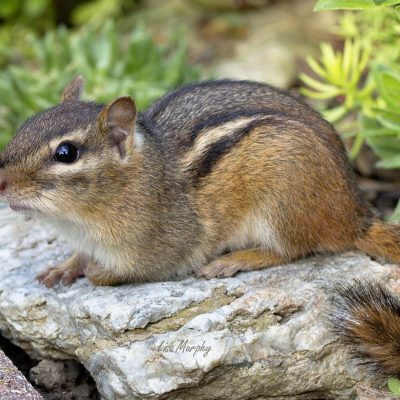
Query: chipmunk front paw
x,y
66,273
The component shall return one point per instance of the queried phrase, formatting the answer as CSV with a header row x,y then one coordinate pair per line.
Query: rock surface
x,y
259,335
13,385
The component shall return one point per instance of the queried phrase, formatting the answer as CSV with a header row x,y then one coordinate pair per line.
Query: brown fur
x,y
74,89
379,346
213,167
367,317
382,240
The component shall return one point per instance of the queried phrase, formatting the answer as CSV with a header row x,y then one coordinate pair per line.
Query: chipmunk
x,y
366,316
213,178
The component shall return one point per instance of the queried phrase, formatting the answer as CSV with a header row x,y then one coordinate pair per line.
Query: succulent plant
x,y
112,65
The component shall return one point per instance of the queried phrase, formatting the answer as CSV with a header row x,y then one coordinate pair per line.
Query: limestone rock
x,y
259,335
13,385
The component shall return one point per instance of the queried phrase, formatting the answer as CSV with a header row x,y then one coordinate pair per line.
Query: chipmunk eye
x,y
66,153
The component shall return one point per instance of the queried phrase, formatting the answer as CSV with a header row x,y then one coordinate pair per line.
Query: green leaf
x,y
367,133
390,162
323,5
389,119
388,84
357,145
394,383
347,58
395,217
316,95
335,114
317,68
385,147
331,62
317,85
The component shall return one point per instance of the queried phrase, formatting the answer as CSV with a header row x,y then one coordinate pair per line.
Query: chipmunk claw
x,y
50,276
54,275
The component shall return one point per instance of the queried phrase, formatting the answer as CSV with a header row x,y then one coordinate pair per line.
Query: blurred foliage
x,y
40,15
360,83
353,4
19,18
32,13
22,18
112,65
394,386
98,11
230,4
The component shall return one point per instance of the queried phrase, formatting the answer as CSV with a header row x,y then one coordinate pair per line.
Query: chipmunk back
x,y
214,178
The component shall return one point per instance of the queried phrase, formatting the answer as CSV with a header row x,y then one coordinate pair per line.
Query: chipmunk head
x,y
62,160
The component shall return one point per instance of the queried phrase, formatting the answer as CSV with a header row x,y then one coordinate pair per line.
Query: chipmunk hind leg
x,y
253,245
382,240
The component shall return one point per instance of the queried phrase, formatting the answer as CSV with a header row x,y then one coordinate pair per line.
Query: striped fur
x,y
212,168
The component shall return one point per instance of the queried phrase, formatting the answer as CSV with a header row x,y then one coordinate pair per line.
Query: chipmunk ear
x,y
73,90
118,121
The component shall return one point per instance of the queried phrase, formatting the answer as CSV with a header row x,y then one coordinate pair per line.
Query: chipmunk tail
x,y
366,316
382,240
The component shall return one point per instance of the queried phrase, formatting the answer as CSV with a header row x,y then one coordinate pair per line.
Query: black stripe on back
x,y
216,151
223,118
